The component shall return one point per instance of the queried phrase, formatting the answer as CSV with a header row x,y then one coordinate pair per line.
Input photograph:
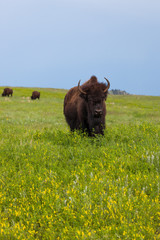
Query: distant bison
x,y
85,108
35,95
7,92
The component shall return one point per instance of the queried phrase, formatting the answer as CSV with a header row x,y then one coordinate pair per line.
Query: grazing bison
x,y
85,108
35,95
7,92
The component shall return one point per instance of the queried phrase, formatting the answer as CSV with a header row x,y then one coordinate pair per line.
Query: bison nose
x,y
98,112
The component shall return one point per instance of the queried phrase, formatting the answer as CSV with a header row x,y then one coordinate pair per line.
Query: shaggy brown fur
x,y
7,92
86,111
35,95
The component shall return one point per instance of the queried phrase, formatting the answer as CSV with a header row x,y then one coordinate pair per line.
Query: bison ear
x,y
84,96
105,95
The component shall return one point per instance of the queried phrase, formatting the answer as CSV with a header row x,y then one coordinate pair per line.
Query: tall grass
x,y
60,185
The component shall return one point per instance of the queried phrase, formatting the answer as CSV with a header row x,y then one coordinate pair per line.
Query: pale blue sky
x,y
55,43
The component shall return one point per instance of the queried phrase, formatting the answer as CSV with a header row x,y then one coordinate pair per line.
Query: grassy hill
x,y
59,185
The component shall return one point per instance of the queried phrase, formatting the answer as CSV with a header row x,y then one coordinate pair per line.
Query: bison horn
x,y
80,89
107,86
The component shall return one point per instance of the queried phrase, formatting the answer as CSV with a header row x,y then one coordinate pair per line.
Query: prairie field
x,y
55,184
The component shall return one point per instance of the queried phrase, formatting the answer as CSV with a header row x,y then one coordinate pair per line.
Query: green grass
x,y
60,185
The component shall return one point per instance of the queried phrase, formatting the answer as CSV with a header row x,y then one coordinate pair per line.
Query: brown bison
x,y
35,95
7,92
85,108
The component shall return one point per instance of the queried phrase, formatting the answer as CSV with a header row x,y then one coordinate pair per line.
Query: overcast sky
x,y
55,43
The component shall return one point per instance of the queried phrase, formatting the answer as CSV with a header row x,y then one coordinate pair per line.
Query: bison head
x,y
95,96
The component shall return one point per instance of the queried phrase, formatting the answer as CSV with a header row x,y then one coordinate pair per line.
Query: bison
x,y
35,94
7,92
85,108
